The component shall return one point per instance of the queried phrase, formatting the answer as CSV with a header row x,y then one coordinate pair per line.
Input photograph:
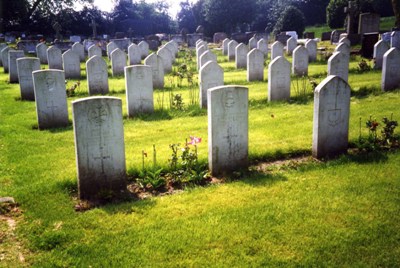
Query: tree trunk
x,y
396,11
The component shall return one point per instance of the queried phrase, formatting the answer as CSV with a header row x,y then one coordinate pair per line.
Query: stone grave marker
x,y
344,48
166,57
134,54
79,49
94,50
326,36
25,68
225,43
390,69
71,64
2,46
253,42
192,38
241,56
311,46
232,50
97,76
309,35
255,65
276,50
345,40
206,57
262,45
54,58
157,68
122,43
41,52
63,46
28,46
300,61
118,62
139,89
51,98
75,38
144,48
4,58
367,44
386,37
200,52
338,64
227,129
368,23
210,75
13,55
335,36
380,48
110,48
279,79
331,117
99,146
282,37
219,37
291,45
395,39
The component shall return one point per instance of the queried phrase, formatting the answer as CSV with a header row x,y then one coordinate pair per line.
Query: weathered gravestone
x,y
75,38
192,38
122,44
390,69
219,37
139,89
210,75
335,36
326,36
345,40
338,64
28,46
232,50
368,23
79,49
13,55
97,76
241,56
291,44
255,65
206,57
41,52
118,62
311,46
54,58
300,61
395,39
344,48
4,58
282,38
200,52
157,68
386,37
2,46
99,146
25,68
174,47
134,54
225,43
331,117
309,35
71,64
166,57
262,45
380,48
110,48
63,46
367,44
51,98
253,42
94,50
279,79
227,129
144,48
276,50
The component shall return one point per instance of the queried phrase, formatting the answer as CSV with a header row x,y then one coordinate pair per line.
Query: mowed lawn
x,y
342,212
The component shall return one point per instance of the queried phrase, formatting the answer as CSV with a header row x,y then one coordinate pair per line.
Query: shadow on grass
x,y
365,91
157,115
257,178
54,130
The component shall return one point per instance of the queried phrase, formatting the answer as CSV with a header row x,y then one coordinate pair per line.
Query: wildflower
x,y
194,140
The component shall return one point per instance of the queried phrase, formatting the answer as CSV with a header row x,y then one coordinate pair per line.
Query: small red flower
x,y
194,140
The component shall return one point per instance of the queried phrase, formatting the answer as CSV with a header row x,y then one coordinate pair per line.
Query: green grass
x,y
344,212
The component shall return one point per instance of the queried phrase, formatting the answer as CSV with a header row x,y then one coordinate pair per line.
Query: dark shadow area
x,y
157,115
54,130
260,179
365,92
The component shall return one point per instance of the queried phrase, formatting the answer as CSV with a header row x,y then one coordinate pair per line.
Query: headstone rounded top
x,y
328,80
95,98
48,71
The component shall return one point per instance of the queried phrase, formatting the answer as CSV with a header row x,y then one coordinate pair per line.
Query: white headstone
x,y
41,52
225,46
344,48
291,44
97,76
157,67
338,64
395,39
51,98
255,65
262,45
94,50
99,146
206,57
118,62
390,69
13,55
279,79
380,48
199,52
71,64
300,61
345,40
144,48
311,46
166,57
210,75
134,54
331,117
253,43
110,48
170,46
54,58
25,68
241,56
4,58
227,129
139,89
201,43
232,50
276,50
79,49
75,38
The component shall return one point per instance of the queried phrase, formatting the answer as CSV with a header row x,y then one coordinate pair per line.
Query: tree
x,y
46,7
267,14
396,11
314,10
292,19
186,18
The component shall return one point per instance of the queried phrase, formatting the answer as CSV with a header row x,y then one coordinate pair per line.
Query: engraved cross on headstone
x,y
94,25
102,157
52,107
350,10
